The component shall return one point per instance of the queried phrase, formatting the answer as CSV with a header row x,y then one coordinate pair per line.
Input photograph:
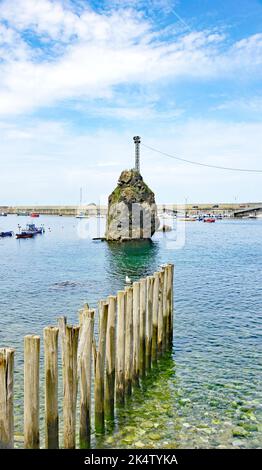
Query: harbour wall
x,y
92,209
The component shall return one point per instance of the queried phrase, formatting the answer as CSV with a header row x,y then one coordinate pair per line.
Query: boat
x,y
24,214
186,219
6,234
34,214
81,215
209,220
25,235
3,214
32,228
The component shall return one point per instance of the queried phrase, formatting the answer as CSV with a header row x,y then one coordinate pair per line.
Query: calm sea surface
x,y
208,392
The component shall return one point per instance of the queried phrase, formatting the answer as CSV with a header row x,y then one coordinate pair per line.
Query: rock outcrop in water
x,y
132,211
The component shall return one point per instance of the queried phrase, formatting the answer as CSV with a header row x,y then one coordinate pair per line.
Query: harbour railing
x,y
135,330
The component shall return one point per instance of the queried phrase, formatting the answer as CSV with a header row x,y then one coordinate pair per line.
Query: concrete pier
x,y
93,209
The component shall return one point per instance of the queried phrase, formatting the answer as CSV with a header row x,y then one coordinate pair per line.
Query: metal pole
x,y
137,141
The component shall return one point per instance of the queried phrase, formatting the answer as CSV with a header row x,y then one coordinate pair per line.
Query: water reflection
x,y
135,259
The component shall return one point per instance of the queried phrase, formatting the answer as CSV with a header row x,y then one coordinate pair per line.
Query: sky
x,y
79,78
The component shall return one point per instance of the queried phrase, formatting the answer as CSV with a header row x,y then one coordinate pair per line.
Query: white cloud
x,y
84,54
252,104
50,161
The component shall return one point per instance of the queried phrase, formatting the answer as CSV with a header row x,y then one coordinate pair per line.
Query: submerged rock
x,y
132,211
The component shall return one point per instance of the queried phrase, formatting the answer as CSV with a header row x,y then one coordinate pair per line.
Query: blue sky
x,y
78,79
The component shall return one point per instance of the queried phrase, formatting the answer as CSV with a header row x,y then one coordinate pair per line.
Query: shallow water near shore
x,y
207,392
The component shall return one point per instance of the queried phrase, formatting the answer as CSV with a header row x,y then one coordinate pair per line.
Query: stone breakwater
x,y
96,209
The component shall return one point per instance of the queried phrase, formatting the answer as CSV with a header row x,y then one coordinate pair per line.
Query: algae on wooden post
x,y
6,398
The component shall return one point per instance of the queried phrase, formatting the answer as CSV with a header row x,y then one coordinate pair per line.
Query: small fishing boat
x,y
3,214
24,214
6,234
34,214
32,228
209,220
81,215
81,212
186,219
25,235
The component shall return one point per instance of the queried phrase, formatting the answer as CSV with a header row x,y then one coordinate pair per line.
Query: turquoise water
x,y
208,392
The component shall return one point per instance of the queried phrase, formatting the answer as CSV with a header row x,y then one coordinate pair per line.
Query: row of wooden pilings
x,y
135,329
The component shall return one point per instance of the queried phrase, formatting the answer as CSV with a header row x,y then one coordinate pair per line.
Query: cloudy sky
x,y
79,78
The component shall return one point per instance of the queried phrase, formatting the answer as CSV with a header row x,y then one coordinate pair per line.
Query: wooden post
x,y
172,304
62,321
142,348
120,348
155,316
6,398
100,368
136,319
51,387
149,320
85,371
70,384
165,309
80,314
129,340
31,391
160,315
110,359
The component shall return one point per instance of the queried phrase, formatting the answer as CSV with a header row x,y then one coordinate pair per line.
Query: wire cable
x,y
249,170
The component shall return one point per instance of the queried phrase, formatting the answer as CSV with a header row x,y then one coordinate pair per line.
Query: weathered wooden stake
x,y
129,340
149,318
169,304
51,387
155,316
120,348
110,359
31,391
165,308
6,398
142,349
136,319
70,344
85,308
62,321
85,374
160,315
100,368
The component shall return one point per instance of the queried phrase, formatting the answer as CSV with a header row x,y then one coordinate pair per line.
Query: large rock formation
x,y
132,211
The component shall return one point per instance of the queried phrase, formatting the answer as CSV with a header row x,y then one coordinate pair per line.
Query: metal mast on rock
x,y
137,141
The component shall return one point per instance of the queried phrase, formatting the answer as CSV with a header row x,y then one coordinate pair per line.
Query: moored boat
x,y
24,214
25,235
3,214
81,215
34,214
186,219
6,234
32,228
209,220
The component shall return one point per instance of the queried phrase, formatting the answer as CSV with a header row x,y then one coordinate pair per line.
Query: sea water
x,y
207,392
